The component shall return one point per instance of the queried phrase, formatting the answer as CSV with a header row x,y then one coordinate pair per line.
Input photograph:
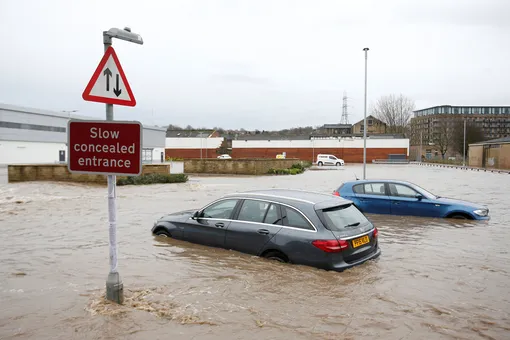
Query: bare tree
x,y
444,136
474,134
395,111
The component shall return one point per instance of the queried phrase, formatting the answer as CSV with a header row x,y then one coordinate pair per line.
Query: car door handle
x,y
397,203
263,231
219,225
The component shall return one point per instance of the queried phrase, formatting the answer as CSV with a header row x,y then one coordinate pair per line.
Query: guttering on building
x,y
490,154
32,136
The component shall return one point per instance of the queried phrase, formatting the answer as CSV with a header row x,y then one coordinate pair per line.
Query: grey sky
x,y
265,64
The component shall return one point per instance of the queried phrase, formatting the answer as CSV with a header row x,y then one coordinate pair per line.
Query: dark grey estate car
x,y
301,227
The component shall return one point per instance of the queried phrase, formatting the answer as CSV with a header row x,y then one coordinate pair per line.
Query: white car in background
x,y
326,159
224,156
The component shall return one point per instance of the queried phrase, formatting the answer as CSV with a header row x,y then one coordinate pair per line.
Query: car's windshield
x,y
342,217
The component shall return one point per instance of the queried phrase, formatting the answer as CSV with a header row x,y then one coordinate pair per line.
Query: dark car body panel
x,y
295,224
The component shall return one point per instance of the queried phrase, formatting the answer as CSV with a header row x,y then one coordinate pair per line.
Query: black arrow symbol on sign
x,y
108,74
116,90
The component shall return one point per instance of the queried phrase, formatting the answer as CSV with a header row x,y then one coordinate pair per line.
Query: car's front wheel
x,y
338,164
162,232
459,217
320,164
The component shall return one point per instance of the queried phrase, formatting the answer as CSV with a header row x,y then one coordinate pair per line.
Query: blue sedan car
x,y
404,198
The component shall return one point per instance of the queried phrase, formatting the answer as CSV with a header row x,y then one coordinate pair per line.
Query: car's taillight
x,y
331,246
375,233
336,193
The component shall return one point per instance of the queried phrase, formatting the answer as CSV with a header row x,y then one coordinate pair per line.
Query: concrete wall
x,y
504,156
18,152
60,173
475,153
496,157
236,166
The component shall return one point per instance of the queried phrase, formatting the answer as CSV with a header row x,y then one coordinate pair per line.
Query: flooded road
x,y
435,279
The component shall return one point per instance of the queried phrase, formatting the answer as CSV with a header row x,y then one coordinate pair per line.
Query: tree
x,y
395,111
444,136
474,134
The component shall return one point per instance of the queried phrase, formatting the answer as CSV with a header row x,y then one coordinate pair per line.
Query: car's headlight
x,y
481,212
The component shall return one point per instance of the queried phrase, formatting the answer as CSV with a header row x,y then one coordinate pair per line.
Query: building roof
x,y
461,106
189,133
336,126
62,114
503,140
369,117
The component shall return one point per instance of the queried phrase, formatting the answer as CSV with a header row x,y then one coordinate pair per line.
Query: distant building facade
x,y
336,129
374,126
428,124
493,153
493,120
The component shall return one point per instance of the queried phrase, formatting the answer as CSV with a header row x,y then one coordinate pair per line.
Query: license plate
x,y
358,242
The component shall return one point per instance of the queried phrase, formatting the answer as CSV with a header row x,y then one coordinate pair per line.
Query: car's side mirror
x,y
196,215
419,196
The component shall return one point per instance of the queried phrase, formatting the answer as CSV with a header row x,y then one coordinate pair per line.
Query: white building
x,y
29,136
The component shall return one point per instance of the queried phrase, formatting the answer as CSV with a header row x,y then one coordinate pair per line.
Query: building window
x,y
24,126
456,110
370,122
147,155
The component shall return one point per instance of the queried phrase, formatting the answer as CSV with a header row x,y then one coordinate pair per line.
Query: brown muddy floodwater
x,y
436,279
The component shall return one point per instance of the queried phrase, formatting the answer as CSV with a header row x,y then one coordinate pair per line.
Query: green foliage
x,y
296,168
174,159
152,179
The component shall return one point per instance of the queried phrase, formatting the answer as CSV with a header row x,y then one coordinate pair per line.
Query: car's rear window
x,y
341,217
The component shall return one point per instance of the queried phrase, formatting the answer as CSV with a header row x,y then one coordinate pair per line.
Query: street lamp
x,y
114,285
365,119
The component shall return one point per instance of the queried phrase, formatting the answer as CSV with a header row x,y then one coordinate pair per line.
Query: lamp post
x,y
114,285
365,119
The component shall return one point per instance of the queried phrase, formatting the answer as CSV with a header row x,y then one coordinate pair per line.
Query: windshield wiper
x,y
352,225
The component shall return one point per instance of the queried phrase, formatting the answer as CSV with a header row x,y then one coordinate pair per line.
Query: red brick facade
x,y
349,155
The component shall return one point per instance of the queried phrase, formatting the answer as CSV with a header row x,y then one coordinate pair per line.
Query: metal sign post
x,y
109,85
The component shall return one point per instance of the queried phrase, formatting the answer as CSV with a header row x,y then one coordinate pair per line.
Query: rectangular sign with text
x,y
105,147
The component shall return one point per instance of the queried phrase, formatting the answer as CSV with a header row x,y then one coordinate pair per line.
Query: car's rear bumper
x,y
344,265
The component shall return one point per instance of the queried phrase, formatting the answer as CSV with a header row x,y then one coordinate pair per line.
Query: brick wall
x,y
236,166
349,155
60,173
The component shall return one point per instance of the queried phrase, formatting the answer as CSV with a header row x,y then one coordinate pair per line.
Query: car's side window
x,y
222,209
370,189
253,211
402,190
272,215
292,218
358,189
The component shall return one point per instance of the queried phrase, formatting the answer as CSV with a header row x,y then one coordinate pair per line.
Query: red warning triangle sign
x,y
108,83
